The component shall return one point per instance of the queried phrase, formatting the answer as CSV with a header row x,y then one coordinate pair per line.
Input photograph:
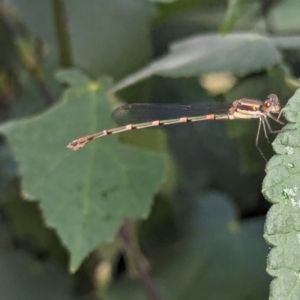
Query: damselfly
x,y
139,116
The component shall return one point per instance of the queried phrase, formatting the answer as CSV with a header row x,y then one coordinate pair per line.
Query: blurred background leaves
x,y
196,188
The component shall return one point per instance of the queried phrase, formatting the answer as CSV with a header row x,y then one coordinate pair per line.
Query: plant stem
x,y
62,33
128,236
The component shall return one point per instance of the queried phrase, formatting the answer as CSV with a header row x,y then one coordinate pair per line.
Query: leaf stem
x,y
62,33
140,265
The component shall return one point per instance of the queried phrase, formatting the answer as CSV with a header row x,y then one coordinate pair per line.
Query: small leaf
x,y
84,195
281,187
237,53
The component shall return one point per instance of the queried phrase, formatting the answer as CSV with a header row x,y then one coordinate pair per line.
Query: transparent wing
x,y
147,112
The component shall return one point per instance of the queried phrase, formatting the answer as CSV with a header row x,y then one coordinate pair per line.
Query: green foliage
x,y
146,202
219,256
284,15
281,187
176,8
164,1
88,186
210,53
235,9
94,19
35,280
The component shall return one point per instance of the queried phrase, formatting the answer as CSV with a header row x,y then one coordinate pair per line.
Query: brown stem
x,y
128,237
62,33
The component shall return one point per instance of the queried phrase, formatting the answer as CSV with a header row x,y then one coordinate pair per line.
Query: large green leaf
x,y
194,56
281,187
84,195
219,259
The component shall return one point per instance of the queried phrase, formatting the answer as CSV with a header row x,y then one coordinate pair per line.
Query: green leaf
x,y
21,277
84,195
163,1
237,53
30,101
28,224
235,9
281,187
284,16
286,43
217,252
179,8
103,34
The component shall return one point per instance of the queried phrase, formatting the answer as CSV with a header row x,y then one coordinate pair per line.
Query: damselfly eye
x,y
273,98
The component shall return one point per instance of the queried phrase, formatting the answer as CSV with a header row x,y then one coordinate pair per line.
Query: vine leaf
x,y
84,195
282,187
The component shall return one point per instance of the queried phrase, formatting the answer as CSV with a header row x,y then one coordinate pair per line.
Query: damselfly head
x,y
271,104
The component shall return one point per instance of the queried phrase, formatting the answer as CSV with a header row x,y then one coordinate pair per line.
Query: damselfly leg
x,y
263,120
